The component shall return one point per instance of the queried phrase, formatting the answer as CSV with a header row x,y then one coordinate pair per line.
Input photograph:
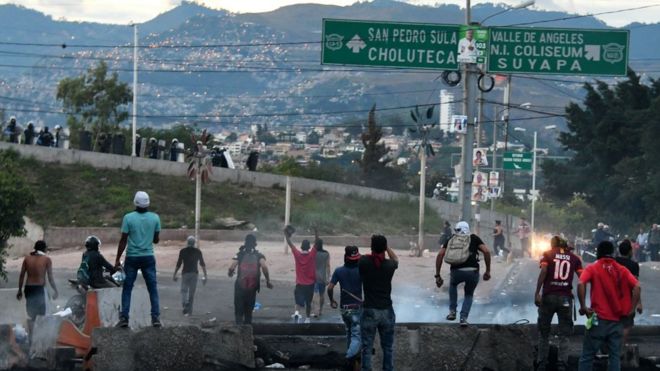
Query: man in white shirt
x,y
467,50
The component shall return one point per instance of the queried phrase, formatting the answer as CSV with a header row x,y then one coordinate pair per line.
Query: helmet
x,y
92,243
58,127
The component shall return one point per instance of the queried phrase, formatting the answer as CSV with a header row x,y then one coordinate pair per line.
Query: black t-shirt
x,y
630,264
377,283
190,256
473,259
96,262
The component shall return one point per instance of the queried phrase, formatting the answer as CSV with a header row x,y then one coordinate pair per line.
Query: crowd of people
x,y
365,284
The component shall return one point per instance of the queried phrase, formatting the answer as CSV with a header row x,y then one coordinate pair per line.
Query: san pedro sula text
x,y
410,37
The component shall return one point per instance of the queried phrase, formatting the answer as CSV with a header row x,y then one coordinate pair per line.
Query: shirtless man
x,y
36,265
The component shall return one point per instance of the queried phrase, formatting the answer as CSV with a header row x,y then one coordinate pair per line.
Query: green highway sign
x,y
558,51
521,161
390,44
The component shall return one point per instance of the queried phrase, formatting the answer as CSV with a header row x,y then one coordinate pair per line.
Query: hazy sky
x,y
125,11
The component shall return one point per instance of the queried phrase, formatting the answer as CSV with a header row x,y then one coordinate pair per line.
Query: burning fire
x,y
540,243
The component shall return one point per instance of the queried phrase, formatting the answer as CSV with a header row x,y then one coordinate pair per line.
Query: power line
x,y
163,46
584,15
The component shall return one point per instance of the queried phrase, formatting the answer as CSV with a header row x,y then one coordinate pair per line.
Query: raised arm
x,y
391,255
291,245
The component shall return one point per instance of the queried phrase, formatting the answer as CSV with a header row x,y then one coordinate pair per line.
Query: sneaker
x,y
307,320
464,322
123,322
155,322
451,316
296,317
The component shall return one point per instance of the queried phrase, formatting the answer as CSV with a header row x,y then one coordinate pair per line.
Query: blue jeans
x,y
382,320
351,319
609,332
147,264
471,279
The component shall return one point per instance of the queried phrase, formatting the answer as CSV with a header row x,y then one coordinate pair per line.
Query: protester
x,y
556,277
446,234
654,242
461,252
625,259
305,261
250,264
93,266
139,231
611,299
524,232
322,275
190,256
498,239
36,266
641,240
376,273
153,148
350,302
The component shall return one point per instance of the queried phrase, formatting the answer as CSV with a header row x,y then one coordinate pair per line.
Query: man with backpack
x,y
461,252
190,256
93,265
250,264
558,265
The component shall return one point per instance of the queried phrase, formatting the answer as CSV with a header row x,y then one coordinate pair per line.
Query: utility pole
x,y
480,120
135,79
469,98
492,167
198,193
287,210
533,186
422,199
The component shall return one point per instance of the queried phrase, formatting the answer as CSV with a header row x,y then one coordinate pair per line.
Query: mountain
x,y
247,84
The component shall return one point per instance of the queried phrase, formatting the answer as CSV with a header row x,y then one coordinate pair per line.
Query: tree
x,y
231,138
615,162
15,198
313,138
94,101
374,160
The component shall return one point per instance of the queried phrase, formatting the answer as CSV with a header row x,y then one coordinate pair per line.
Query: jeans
x,y
147,264
188,287
609,332
551,304
244,300
351,319
382,320
471,279
654,248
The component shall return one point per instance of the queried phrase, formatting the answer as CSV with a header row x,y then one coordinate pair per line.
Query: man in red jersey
x,y
558,265
611,288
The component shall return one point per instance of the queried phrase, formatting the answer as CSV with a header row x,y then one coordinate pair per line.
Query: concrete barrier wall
x,y
64,237
446,210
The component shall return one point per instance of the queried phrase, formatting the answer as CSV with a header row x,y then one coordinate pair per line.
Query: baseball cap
x,y
351,253
141,199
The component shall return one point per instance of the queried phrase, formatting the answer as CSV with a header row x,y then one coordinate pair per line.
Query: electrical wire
x,y
583,16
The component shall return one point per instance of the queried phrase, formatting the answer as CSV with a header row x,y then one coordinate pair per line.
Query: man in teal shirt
x,y
139,231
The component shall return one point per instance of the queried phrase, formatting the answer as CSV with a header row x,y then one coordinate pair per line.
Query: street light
x,y
522,5
517,128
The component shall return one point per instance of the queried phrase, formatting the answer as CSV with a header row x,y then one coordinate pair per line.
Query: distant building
x,y
301,137
446,111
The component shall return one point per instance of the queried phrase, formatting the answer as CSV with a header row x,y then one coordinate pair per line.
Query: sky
x,y
125,11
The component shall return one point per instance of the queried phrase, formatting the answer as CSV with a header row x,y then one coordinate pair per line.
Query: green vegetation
x,y
68,195
14,201
617,158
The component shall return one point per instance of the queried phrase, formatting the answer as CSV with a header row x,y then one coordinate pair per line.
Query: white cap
x,y
141,199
